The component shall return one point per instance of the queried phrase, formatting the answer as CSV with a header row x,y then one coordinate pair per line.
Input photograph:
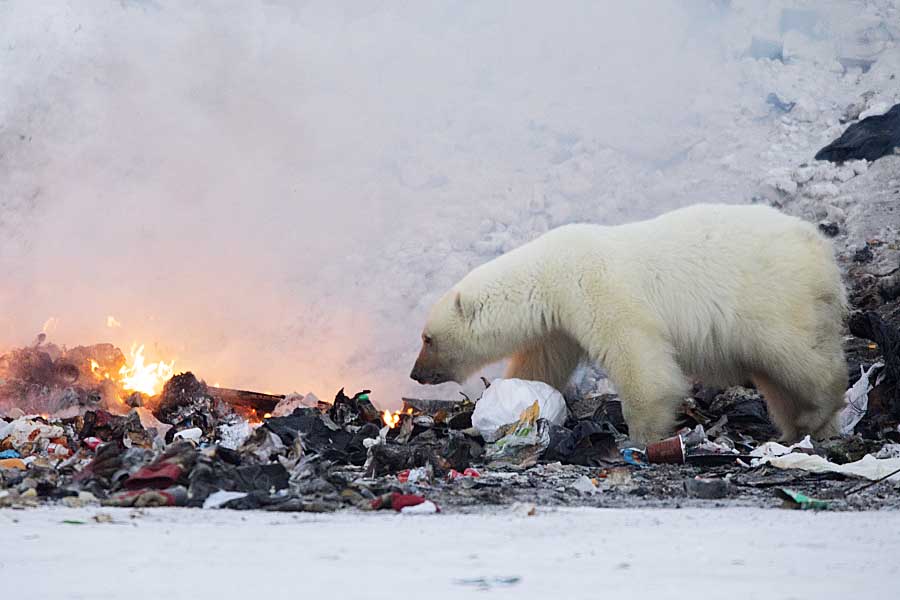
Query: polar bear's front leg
x,y
551,360
650,383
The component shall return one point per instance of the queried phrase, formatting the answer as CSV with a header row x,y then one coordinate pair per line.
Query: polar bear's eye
x,y
426,339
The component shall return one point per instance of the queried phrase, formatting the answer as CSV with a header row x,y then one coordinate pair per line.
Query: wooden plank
x,y
261,403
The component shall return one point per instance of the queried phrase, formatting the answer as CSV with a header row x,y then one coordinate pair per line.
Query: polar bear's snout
x,y
428,368
428,377
424,374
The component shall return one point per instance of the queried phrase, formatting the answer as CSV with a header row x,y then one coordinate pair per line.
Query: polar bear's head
x,y
447,353
453,347
493,312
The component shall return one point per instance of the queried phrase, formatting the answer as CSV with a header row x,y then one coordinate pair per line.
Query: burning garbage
x,y
46,379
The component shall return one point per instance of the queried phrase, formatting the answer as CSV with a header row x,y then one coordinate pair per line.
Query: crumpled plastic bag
x,y
868,466
222,497
521,443
505,400
770,449
857,399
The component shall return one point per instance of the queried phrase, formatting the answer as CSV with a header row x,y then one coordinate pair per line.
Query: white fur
x,y
720,293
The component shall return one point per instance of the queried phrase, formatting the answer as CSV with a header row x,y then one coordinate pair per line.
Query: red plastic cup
x,y
667,451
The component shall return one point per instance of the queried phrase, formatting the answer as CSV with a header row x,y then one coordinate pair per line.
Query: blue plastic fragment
x,y
9,454
634,457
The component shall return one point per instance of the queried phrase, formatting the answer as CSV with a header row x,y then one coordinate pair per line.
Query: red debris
x,y
58,450
454,474
397,501
156,476
92,442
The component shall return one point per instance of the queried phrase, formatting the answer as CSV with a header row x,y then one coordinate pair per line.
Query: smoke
x,y
274,193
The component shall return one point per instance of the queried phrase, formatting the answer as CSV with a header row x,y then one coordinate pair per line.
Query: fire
x,y
391,419
95,369
136,375
147,378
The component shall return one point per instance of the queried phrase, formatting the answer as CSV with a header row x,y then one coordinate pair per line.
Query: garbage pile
x,y
519,445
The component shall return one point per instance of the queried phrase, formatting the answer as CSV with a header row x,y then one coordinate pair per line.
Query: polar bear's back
x,y
749,250
728,227
725,283
721,246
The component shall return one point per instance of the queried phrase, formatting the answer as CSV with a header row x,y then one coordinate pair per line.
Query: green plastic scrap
x,y
793,499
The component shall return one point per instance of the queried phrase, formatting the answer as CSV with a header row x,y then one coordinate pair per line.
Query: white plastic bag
x,y
776,449
856,399
217,499
503,403
868,466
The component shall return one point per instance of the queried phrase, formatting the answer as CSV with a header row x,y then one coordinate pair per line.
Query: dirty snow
x,y
574,553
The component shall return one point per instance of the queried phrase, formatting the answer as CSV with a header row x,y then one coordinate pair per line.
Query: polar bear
x,y
720,293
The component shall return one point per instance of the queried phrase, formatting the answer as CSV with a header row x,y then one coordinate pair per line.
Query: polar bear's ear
x,y
463,308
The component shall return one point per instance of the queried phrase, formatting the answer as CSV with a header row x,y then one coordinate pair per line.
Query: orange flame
x,y
391,419
147,378
95,369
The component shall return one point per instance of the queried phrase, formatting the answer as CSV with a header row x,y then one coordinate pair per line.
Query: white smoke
x,y
274,193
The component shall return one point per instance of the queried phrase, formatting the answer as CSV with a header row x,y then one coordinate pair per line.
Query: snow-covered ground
x,y
572,553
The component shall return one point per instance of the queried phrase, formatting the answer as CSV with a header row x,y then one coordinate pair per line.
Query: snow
x,y
571,553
